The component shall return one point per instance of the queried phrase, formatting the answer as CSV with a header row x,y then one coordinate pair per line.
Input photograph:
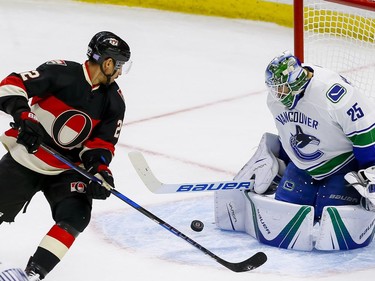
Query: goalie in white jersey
x,y
325,139
326,129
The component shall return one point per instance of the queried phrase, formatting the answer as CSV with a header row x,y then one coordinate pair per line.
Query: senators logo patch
x,y
78,186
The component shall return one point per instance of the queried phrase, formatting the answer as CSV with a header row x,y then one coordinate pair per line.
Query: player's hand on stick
x,y
96,162
100,191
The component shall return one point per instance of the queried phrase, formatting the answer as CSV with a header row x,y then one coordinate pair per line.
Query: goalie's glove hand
x,y
94,189
264,167
364,182
30,131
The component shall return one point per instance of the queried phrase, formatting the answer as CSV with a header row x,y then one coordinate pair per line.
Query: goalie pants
x,y
64,193
298,187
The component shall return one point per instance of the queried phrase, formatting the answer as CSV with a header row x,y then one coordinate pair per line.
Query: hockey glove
x,y
94,189
30,131
264,166
364,182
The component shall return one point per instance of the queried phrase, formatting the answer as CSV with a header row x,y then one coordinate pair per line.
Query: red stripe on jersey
x,y
13,80
99,143
56,107
61,235
51,104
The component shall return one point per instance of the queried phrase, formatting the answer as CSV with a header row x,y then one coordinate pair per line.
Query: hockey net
x,y
339,35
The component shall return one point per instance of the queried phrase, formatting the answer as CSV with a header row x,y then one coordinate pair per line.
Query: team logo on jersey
x,y
336,92
305,146
78,186
71,128
289,185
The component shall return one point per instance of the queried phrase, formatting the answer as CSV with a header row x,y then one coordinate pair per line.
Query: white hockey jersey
x,y
332,123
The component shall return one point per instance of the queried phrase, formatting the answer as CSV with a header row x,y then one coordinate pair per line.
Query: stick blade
x,y
251,263
144,172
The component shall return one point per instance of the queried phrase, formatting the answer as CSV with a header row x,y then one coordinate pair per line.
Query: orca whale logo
x,y
305,146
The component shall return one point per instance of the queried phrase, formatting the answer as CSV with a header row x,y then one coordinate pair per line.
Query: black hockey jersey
x,y
76,115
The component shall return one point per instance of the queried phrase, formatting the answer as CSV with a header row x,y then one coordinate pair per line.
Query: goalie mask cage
x,y
338,34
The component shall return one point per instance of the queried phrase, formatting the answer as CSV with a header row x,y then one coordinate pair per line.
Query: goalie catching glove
x,y
364,182
264,166
95,162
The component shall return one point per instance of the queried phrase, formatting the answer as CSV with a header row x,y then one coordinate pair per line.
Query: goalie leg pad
x,y
279,224
345,228
230,210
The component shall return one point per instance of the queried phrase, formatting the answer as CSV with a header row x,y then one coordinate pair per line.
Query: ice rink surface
x,y
196,109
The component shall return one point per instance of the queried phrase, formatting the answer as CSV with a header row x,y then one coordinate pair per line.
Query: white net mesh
x,y
341,38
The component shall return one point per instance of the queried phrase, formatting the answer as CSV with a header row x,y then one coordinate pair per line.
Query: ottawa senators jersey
x,y
76,115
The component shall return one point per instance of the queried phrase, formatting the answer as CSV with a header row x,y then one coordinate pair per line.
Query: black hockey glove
x,y
94,189
30,131
96,162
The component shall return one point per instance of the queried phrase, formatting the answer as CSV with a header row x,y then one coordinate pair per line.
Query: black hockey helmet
x,y
106,45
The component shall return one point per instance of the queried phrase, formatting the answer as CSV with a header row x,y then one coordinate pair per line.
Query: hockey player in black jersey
x,y
78,110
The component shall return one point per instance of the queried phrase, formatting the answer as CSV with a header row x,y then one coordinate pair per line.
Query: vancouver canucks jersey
x,y
76,115
332,124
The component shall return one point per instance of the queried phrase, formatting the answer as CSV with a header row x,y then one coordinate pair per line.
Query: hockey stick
x,y
251,263
154,185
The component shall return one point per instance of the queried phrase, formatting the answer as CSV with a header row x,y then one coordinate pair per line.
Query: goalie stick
x,y
249,264
154,185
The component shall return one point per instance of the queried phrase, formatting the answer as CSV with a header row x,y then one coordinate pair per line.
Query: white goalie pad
x,y
279,224
230,210
291,226
345,228
271,222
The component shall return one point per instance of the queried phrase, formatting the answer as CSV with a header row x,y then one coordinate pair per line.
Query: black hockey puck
x,y
197,225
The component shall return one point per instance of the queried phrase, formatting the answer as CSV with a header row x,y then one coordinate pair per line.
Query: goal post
x,y
340,35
